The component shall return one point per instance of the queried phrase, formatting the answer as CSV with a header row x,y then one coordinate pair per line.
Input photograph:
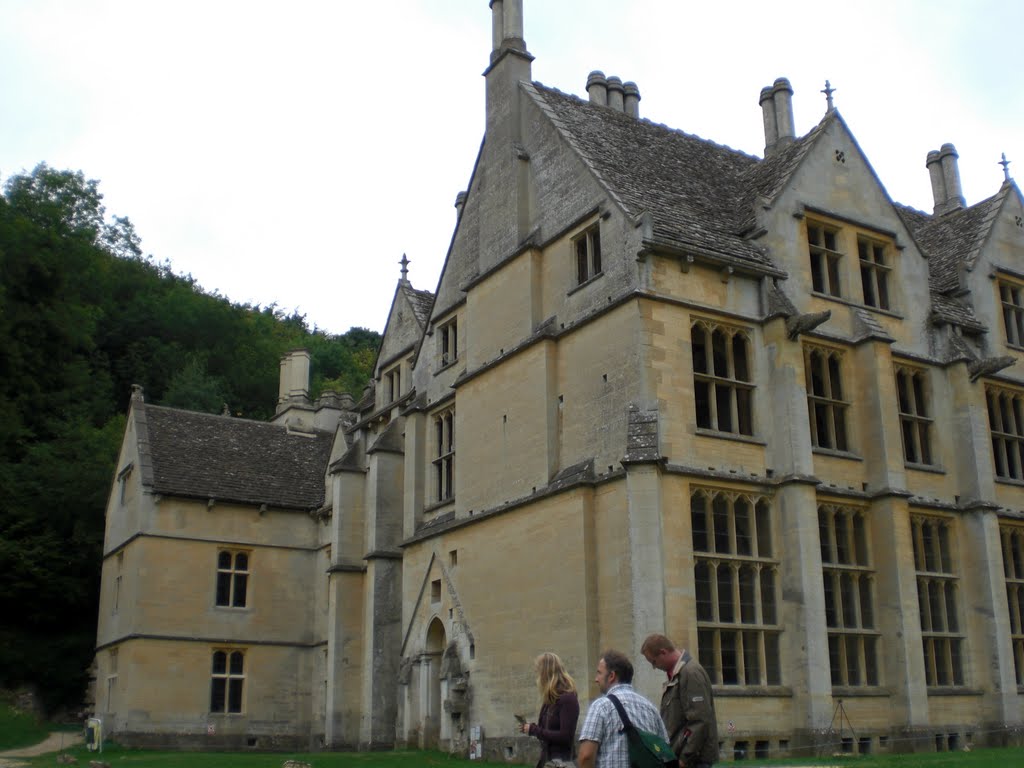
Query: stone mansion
x,y
661,385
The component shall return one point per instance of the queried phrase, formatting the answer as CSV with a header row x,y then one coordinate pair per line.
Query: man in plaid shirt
x,y
603,742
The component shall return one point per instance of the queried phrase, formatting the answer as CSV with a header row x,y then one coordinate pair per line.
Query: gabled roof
x,y
954,239
696,191
198,455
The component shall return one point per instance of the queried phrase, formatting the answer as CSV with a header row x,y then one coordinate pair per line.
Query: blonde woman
x,y
559,711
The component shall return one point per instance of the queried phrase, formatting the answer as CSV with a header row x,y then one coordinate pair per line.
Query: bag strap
x,y
627,725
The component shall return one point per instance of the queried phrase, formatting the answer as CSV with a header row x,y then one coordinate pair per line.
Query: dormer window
x,y
587,248
448,342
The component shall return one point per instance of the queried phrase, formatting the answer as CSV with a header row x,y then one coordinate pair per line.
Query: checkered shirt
x,y
603,725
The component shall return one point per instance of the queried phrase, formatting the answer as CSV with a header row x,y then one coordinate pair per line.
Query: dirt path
x,y
55,742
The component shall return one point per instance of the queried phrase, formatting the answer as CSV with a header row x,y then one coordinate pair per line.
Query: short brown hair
x,y
655,644
616,661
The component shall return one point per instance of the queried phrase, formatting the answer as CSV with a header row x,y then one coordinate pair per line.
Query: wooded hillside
x,y
83,316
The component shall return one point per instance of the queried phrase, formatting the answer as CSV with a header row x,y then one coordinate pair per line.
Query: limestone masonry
x,y
662,385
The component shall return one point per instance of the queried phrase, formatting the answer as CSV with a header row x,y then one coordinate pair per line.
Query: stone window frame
x,y
443,461
738,633
876,270
826,408
1011,297
227,681
731,387
1006,428
448,342
392,380
938,600
234,567
914,403
118,583
1012,541
849,585
586,250
826,259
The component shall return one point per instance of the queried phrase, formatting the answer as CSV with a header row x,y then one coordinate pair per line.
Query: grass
x,y
19,729
118,757
127,758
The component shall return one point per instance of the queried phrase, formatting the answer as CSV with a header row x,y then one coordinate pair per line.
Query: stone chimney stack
x,y
777,110
294,381
612,92
632,99
597,88
945,175
504,157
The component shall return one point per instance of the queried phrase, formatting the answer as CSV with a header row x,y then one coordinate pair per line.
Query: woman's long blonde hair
x,y
552,679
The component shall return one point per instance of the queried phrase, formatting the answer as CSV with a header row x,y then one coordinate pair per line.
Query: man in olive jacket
x,y
687,703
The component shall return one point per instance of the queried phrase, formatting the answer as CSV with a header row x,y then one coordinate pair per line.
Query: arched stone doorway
x,y
430,670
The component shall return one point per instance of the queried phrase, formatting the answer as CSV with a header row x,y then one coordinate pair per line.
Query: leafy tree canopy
x,y
84,316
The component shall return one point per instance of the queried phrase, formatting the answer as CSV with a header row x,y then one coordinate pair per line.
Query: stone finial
x,y
460,203
828,90
137,393
1006,167
405,268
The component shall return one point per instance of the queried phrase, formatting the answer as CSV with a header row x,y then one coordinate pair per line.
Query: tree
x,y
83,316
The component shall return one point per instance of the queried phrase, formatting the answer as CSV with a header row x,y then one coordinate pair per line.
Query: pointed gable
x,y
407,321
198,455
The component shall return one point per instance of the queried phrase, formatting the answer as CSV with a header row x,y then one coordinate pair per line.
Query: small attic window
x,y
393,384
587,249
448,342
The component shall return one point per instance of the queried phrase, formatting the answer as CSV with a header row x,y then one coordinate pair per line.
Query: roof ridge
x,y
646,121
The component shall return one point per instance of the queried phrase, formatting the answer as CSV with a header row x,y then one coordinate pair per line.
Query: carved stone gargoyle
x,y
988,365
807,322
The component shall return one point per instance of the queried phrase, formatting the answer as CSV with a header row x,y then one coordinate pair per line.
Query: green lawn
x,y
19,729
116,756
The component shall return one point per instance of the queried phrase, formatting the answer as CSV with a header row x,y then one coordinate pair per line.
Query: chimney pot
x,y
951,176
597,88
616,94
771,130
497,26
934,165
782,92
631,99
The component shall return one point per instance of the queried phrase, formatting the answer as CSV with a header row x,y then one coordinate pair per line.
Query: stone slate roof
x,y
952,239
198,455
949,242
421,302
698,193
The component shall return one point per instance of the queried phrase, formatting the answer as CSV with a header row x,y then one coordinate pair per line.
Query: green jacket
x,y
688,705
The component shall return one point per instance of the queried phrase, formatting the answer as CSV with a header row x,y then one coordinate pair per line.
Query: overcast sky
x,y
291,152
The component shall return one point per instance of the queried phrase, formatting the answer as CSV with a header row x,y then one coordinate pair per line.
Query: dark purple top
x,y
556,728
